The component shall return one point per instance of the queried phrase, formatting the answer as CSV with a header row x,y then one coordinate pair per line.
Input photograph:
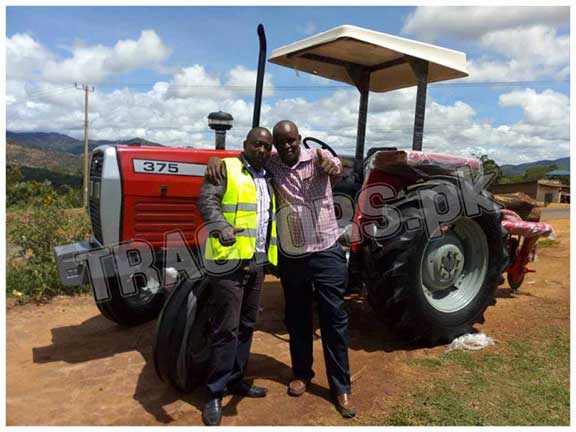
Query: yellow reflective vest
x,y
239,207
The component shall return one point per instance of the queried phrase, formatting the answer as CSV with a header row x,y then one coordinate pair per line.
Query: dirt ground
x,y
67,365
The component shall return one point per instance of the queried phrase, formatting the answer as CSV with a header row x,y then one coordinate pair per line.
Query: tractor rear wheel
x,y
432,290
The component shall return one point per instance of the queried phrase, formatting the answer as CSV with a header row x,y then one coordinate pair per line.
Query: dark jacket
x,y
210,201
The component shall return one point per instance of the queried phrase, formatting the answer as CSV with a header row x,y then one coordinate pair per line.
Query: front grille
x,y
154,218
96,165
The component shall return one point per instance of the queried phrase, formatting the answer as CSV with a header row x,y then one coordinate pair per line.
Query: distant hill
x,y
519,170
64,143
46,159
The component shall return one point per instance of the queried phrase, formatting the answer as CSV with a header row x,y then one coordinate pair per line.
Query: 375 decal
x,y
148,166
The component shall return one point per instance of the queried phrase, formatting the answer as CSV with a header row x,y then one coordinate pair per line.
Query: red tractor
x,y
425,239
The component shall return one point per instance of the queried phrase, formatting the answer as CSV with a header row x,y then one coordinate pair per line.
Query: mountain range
x,y
63,143
62,153
519,170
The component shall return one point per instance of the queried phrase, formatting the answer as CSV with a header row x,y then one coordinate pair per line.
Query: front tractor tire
x,y
142,306
432,290
133,310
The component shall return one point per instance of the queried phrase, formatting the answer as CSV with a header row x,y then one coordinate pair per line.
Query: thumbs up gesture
x,y
328,166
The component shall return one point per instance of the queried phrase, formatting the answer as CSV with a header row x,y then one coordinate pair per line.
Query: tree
x,y
538,172
13,175
490,166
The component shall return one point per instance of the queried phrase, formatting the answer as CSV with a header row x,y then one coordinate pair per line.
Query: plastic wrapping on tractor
x,y
515,225
182,343
421,164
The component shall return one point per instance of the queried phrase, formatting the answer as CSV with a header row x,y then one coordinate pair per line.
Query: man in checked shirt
x,y
312,265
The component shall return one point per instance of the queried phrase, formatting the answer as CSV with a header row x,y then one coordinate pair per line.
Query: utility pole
x,y
86,88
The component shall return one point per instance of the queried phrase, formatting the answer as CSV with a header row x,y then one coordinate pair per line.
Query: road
x,y
556,213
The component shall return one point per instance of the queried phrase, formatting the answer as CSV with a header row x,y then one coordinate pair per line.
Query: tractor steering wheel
x,y
321,143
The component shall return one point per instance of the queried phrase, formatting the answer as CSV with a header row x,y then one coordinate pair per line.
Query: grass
x,y
548,243
521,383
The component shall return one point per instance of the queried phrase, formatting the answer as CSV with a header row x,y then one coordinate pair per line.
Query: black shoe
x,y
247,390
212,412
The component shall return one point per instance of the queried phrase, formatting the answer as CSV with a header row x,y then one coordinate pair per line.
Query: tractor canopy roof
x,y
333,53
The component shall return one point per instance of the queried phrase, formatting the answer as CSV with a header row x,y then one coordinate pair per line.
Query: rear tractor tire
x,y
432,290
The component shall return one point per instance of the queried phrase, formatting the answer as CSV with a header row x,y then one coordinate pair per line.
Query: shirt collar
x,y
305,155
249,167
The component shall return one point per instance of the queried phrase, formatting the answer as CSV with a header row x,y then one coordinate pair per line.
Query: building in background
x,y
545,191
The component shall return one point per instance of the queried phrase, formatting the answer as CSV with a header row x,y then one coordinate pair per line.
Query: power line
x,y
330,87
289,87
41,94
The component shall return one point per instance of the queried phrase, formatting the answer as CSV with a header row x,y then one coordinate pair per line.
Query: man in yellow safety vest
x,y
239,215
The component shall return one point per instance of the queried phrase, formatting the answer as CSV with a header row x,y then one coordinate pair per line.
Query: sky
x,y
157,72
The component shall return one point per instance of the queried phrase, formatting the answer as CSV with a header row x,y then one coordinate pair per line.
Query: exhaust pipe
x,y
259,77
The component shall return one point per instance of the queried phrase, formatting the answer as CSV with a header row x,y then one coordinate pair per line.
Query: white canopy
x,y
328,55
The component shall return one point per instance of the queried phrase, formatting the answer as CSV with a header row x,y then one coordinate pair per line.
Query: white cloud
x,y
27,59
517,43
243,81
545,114
130,54
548,56
469,22
174,111
542,132
194,81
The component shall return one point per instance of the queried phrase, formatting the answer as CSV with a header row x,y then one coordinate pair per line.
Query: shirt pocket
x,y
306,171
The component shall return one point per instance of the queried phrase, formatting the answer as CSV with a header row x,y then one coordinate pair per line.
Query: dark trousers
x,y
234,304
321,275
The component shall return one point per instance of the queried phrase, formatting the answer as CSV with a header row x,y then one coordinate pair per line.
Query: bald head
x,y
257,147
287,141
284,127
257,133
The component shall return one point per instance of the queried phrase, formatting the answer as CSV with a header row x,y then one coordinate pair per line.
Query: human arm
x,y
215,171
210,205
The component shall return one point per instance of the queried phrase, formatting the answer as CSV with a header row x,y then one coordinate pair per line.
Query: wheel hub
x,y
443,265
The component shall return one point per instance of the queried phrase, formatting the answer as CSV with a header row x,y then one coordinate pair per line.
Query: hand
x,y
327,166
215,171
227,235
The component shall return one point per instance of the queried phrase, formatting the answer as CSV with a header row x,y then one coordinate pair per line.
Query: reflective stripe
x,y
240,205
247,207
251,233
233,208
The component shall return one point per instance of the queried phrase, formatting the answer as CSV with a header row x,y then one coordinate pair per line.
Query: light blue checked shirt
x,y
262,206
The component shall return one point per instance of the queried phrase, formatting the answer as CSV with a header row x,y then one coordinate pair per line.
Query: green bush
x,y
31,272
34,193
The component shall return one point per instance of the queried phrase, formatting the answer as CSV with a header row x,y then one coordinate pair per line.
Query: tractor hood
x,y
332,53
